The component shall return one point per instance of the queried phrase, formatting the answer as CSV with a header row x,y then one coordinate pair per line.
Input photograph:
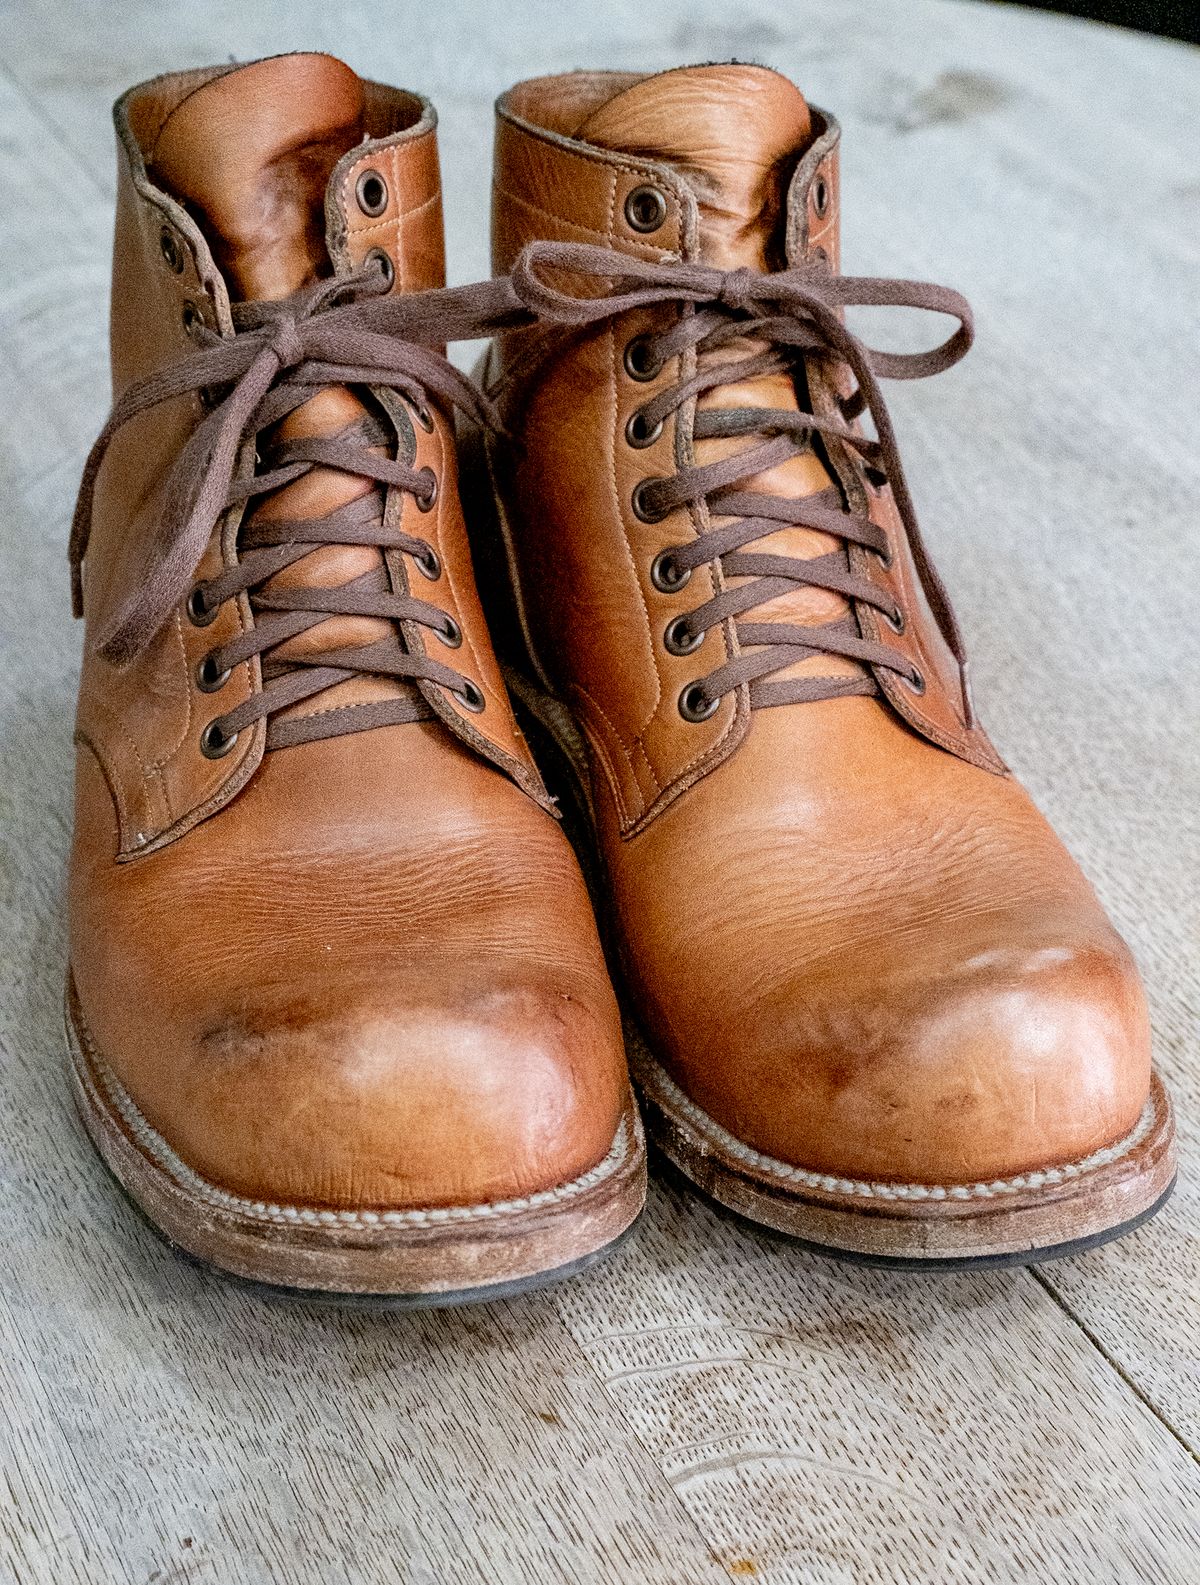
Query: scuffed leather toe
x,y
442,1033
348,1100
1010,1060
966,1015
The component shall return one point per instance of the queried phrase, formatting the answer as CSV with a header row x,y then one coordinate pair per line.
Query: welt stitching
x,y
625,1139
866,1189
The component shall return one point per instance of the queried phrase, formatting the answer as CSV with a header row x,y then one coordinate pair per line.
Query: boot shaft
x,y
237,186
725,167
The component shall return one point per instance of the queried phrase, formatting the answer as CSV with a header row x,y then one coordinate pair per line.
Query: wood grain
x,y
711,1405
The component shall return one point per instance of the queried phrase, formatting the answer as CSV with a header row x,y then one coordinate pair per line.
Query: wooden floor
x,y
710,1406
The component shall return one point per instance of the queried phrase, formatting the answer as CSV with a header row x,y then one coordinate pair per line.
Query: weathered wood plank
x,y
710,1405
827,1424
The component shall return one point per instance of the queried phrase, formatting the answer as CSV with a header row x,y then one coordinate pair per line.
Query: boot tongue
x,y
250,153
733,133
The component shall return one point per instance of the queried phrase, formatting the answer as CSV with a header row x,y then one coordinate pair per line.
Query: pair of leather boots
x,y
339,1013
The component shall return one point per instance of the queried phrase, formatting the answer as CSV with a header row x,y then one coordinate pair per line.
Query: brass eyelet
x,y
214,742
470,696
679,638
429,563
193,319
645,209
371,192
200,614
695,704
172,250
638,434
895,620
642,509
914,679
666,574
820,197
209,678
384,261
450,633
428,498
423,417
641,362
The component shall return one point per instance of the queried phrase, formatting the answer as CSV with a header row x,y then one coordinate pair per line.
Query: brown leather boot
x,y
338,1012
879,1007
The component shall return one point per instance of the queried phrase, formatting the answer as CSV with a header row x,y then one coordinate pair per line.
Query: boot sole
x,y
1033,1217
404,1259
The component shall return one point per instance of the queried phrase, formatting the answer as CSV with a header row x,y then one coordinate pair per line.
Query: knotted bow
x,y
781,316
339,332
551,278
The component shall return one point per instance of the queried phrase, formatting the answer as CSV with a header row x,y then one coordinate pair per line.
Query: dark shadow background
x,y
1178,19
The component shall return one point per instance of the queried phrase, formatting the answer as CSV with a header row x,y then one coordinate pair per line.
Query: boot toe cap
x,y
415,1101
1016,1060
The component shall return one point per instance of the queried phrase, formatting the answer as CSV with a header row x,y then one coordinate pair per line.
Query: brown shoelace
x,y
341,332
785,316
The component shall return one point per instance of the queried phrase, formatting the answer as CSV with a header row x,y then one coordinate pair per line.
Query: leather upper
x,y
846,930
361,970
548,185
143,721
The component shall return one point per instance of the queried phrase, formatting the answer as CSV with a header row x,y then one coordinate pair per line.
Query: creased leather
x,y
844,928
357,972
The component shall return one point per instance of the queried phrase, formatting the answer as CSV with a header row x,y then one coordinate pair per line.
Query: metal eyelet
x,y
199,614
214,743
384,261
820,197
423,417
641,361
450,633
695,705
172,250
679,638
470,696
914,679
666,574
208,678
429,563
427,500
638,434
371,192
193,319
645,209
895,620
642,510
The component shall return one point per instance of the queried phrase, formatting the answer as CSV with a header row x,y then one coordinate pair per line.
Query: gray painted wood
x,y
711,1405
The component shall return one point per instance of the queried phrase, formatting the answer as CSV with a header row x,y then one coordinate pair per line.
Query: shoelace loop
x,y
785,314
340,332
